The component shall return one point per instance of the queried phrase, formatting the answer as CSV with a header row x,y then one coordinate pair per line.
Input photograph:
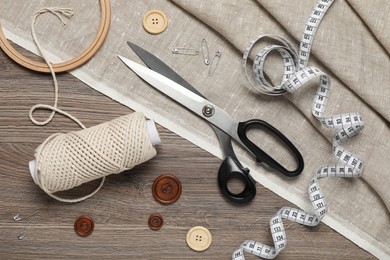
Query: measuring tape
x,y
296,74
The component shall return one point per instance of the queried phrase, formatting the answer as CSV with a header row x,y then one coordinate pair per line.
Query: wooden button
x,y
155,22
166,189
84,226
199,238
155,221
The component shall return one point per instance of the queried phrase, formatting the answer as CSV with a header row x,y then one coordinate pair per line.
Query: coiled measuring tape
x,y
296,74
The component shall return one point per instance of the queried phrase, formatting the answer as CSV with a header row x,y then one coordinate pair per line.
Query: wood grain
x,y
121,209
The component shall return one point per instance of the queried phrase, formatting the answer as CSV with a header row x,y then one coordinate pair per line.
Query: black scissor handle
x,y
260,155
231,168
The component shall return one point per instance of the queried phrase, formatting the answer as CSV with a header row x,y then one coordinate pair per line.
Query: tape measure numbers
x,y
67,65
297,74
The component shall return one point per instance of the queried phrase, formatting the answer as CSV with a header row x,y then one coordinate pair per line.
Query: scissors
x,y
166,80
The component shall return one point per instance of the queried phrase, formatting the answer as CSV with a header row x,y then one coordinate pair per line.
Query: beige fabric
x,y
345,47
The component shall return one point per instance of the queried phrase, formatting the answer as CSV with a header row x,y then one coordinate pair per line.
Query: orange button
x,y
155,22
84,226
166,189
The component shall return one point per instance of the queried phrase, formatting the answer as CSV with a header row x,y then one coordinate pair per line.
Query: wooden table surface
x,y
122,207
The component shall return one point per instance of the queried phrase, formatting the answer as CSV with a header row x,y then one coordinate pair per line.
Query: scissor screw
x,y
208,110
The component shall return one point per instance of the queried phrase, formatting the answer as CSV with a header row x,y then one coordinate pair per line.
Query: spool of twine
x,y
65,161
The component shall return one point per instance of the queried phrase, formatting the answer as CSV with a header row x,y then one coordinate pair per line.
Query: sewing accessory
x,y
108,148
185,51
205,52
155,221
32,219
21,216
214,63
79,60
83,226
166,189
186,95
30,223
296,74
155,22
199,238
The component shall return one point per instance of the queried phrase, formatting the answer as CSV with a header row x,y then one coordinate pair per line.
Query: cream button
x,y
155,22
199,238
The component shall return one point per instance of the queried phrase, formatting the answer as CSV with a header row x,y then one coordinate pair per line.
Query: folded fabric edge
x,y
355,238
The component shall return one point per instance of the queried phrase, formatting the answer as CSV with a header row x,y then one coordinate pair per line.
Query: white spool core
x,y
31,166
153,133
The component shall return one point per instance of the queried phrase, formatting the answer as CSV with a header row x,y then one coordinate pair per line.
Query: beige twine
x,y
65,161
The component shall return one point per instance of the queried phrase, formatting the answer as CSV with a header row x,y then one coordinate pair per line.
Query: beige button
x,y
155,22
199,238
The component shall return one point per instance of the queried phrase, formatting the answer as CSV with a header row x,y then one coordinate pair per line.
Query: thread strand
x,y
60,13
65,161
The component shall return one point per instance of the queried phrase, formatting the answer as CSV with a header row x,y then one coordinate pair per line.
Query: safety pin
x,y
213,65
28,226
185,51
205,52
20,216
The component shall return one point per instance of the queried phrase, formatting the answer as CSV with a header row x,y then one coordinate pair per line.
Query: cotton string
x,y
64,161
296,74
60,13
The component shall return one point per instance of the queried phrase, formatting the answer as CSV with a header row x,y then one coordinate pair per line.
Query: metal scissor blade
x,y
165,85
159,66
185,97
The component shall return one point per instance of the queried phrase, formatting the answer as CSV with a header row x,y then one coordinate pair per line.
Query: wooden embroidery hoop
x,y
70,64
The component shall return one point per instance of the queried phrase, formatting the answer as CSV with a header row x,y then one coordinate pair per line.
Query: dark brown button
x,y
155,221
84,226
166,189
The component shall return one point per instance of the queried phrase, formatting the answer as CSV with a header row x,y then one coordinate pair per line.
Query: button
x,y
155,221
155,22
166,189
199,238
84,226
